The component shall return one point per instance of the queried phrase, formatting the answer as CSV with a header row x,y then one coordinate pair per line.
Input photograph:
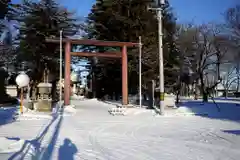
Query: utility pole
x,y
158,8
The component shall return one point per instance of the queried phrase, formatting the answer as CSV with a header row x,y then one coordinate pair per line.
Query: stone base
x,y
11,91
44,106
28,104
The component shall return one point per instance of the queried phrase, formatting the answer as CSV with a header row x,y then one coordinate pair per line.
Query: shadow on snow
x,y
235,132
223,110
7,115
41,153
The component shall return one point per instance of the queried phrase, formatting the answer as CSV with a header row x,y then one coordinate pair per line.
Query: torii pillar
x,y
124,76
67,79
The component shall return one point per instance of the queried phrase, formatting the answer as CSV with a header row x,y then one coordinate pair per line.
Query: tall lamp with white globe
x,y
22,81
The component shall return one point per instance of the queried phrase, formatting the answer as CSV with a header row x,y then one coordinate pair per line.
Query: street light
x,y
157,6
140,71
22,80
60,70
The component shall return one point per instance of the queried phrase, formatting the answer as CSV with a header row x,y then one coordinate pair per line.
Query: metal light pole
x,y
140,71
158,9
60,70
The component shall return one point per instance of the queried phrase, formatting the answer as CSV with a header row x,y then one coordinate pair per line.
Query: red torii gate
x,y
69,53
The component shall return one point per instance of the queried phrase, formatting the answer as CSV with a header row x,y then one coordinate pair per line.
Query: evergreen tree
x,y
7,27
42,20
124,20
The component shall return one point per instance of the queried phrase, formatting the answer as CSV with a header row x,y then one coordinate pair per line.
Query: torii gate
x,y
69,53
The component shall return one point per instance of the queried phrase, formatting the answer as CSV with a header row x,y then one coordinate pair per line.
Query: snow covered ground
x,y
89,132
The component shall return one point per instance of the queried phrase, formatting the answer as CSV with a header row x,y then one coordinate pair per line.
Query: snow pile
x,y
184,110
34,116
169,100
9,146
26,110
29,114
70,110
11,114
136,111
77,97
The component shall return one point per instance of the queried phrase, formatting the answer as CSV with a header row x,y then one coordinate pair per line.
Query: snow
x,y
77,97
8,145
90,132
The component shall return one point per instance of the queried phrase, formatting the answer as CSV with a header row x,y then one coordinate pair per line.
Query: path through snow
x,y
91,133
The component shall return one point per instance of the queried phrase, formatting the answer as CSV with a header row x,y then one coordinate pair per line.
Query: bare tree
x,y
205,49
232,30
230,77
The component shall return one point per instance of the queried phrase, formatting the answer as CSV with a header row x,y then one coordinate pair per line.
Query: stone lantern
x,y
45,98
74,79
44,90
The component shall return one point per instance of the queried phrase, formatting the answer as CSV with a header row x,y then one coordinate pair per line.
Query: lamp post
x,y
158,8
22,81
140,72
60,70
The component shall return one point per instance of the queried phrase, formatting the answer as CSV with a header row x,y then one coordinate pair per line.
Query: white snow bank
x,y
9,146
34,116
69,110
183,110
136,111
29,114
77,97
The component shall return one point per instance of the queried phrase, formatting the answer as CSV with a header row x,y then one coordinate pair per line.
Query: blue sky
x,y
198,11
201,11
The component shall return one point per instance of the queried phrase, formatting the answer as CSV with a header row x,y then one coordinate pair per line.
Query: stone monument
x,y
44,99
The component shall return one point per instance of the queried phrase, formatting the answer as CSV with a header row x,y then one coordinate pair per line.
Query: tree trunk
x,y
226,93
203,88
178,93
205,96
195,90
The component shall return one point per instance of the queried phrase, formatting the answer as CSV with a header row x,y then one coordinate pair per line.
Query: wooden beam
x,y
105,54
92,42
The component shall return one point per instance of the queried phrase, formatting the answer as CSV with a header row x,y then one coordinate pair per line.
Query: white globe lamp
x,y
22,80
